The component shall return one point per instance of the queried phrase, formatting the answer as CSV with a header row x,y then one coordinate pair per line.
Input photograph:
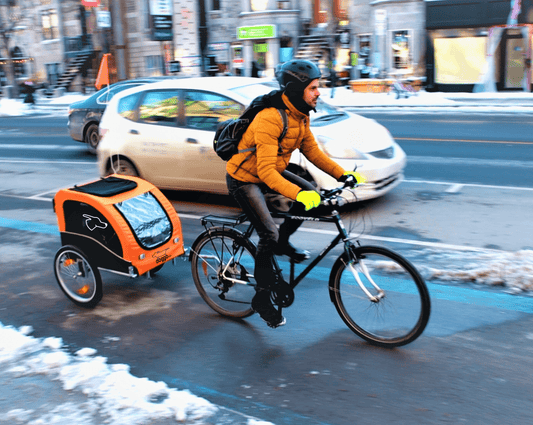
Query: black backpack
x,y
230,132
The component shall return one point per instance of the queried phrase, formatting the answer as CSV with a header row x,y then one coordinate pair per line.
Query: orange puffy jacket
x,y
266,164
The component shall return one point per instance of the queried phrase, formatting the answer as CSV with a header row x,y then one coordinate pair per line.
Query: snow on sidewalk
x,y
42,384
519,102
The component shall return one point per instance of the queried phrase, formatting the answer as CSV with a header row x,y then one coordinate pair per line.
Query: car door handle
x,y
132,131
190,140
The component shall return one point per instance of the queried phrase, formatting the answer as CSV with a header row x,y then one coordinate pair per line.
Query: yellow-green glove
x,y
359,178
309,198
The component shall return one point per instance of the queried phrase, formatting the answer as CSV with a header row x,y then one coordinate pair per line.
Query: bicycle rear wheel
x,y
222,264
396,309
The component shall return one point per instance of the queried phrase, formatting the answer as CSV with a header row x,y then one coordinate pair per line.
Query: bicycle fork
x,y
364,269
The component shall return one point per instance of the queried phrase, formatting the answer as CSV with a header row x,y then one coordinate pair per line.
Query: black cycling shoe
x,y
261,304
297,255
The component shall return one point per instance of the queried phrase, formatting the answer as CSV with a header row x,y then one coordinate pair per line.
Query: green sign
x,y
261,48
257,31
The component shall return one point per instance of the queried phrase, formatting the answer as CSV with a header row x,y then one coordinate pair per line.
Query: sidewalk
x,y
506,102
499,102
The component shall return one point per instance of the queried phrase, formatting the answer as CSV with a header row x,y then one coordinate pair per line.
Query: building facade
x,y
372,37
365,38
44,33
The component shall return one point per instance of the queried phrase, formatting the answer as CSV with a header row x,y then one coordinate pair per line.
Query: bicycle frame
x,y
295,280
343,235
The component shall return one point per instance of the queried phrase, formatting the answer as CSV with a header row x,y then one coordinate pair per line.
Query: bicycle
x,y
402,88
378,294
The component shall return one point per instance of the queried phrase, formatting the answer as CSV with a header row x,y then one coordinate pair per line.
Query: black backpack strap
x,y
285,128
285,124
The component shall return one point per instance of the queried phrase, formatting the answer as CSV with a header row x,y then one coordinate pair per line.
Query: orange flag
x,y
103,73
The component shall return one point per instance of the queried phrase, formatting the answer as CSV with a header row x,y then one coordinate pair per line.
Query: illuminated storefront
x,y
471,46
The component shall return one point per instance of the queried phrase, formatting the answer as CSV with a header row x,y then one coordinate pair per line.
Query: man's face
x,y
311,93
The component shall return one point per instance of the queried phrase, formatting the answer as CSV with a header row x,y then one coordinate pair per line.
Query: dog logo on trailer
x,y
93,222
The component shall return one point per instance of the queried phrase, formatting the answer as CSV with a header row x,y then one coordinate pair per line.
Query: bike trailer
x,y
120,224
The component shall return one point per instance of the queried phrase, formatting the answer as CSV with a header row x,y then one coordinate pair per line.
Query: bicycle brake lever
x,y
350,182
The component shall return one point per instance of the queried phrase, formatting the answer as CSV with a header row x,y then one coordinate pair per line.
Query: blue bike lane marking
x,y
29,226
474,297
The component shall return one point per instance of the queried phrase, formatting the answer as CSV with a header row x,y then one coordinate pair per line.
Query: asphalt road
x,y
481,149
475,149
472,365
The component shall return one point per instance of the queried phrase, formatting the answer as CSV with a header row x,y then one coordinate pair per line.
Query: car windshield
x,y
325,114
107,93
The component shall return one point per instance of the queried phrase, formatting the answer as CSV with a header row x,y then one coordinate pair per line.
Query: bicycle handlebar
x,y
330,198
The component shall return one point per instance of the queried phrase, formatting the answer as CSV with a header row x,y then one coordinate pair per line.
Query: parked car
x,y
163,132
84,116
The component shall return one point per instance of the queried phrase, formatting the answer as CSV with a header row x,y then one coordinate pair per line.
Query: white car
x,y
163,132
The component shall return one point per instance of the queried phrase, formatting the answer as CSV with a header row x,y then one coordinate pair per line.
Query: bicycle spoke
x,y
220,265
381,297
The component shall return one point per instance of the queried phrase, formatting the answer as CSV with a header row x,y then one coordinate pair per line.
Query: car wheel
x,y
122,166
92,138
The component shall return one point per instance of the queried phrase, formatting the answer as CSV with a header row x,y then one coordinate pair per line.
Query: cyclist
x,y
250,175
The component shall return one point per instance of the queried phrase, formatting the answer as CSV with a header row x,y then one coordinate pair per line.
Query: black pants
x,y
251,199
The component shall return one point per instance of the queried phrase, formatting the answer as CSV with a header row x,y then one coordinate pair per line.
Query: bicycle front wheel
x,y
380,296
222,264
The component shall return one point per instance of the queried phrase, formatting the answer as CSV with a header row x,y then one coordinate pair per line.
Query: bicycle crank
x,y
282,294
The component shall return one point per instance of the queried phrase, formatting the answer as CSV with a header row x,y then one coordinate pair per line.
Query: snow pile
x,y
13,108
113,392
513,270
346,97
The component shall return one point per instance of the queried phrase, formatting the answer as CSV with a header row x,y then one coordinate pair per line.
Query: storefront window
x,y
259,62
400,49
459,60
363,61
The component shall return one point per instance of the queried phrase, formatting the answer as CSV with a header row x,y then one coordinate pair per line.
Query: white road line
x,y
454,188
475,162
483,186
379,238
40,197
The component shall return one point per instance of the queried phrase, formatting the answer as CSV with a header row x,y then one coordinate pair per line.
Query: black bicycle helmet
x,y
295,75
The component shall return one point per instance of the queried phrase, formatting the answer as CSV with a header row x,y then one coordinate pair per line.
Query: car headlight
x,y
337,149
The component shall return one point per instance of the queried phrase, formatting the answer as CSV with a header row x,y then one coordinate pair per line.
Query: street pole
x,y
61,28
202,29
118,11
